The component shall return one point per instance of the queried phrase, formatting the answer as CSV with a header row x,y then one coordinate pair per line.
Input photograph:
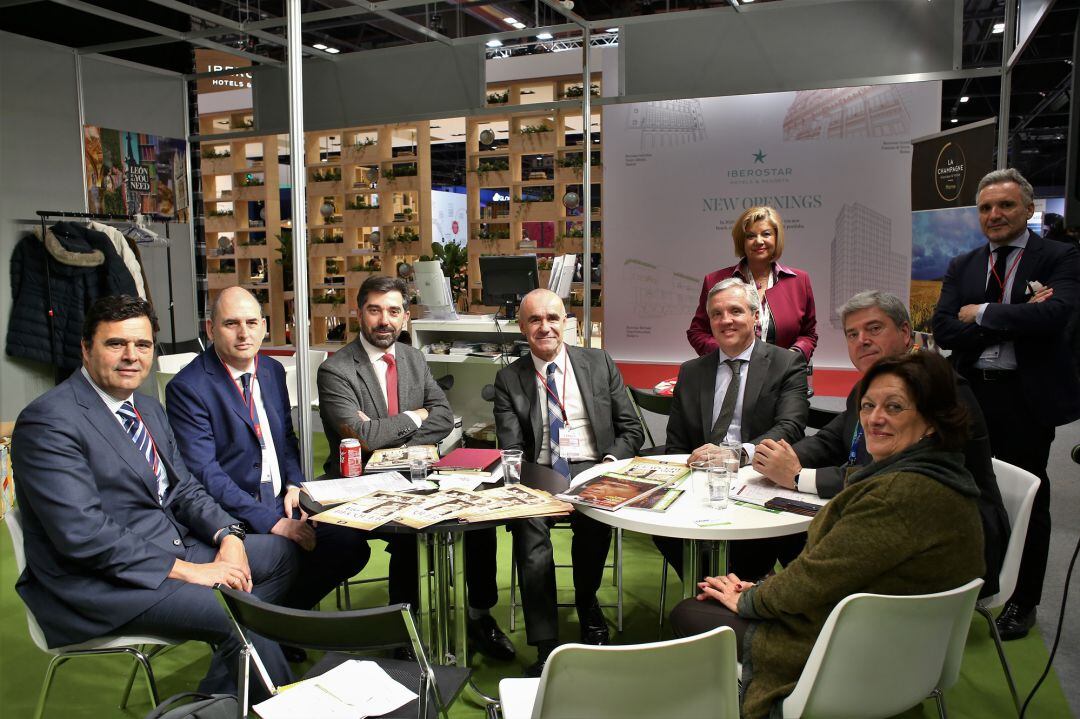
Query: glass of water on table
x,y
418,464
711,480
511,463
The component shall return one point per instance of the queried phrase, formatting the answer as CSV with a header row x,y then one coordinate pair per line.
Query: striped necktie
x,y
555,423
145,444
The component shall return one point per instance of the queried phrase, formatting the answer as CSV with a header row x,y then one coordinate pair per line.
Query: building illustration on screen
x,y
667,123
862,258
846,113
660,292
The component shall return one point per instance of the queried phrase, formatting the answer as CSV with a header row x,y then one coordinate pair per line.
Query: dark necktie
x,y
995,290
555,423
391,384
145,444
266,485
727,407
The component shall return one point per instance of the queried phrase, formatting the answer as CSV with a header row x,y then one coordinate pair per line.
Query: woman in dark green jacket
x,y
905,524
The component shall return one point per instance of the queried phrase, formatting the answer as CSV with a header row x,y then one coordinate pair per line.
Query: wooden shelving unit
x,y
243,215
534,160
369,208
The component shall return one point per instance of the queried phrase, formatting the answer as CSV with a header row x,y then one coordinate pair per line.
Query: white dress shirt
x,y
271,472
723,379
577,420
379,365
1001,356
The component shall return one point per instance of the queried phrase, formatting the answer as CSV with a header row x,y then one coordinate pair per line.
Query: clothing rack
x,y
152,217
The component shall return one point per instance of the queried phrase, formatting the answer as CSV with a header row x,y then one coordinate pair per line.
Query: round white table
x,y
691,520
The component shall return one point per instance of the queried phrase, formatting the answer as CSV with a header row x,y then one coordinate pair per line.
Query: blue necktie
x,y
266,487
555,423
145,444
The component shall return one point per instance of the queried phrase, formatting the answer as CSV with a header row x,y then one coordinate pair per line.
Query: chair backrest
x,y
1018,488
878,655
13,519
167,368
649,400
621,681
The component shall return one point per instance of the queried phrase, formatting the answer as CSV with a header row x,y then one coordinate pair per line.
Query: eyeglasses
x,y
891,408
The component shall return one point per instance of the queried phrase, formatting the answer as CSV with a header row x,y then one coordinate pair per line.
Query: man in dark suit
x,y
230,410
381,392
565,407
1003,312
745,392
119,538
877,326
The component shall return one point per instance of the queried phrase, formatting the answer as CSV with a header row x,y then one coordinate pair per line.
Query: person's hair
x,y
1054,224
115,308
931,384
748,218
748,290
380,284
893,307
1009,174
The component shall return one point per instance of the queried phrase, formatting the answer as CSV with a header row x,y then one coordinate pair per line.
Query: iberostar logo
x,y
753,170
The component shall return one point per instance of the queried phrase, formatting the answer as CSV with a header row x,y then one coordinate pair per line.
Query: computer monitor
x,y
507,279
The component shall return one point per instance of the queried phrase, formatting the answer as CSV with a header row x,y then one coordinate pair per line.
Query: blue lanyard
x,y
853,453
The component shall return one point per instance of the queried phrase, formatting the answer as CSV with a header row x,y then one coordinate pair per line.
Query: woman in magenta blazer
x,y
787,301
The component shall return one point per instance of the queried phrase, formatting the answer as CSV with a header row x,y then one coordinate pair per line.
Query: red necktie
x,y
391,384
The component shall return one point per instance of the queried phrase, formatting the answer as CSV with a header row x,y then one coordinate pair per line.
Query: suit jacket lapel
x,y
221,381
708,389
271,400
583,375
367,376
98,416
527,378
756,372
1025,269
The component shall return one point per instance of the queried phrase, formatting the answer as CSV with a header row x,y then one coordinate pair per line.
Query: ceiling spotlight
x,y
510,20
333,50
612,30
519,25
494,43
544,36
965,98
319,46
999,27
954,120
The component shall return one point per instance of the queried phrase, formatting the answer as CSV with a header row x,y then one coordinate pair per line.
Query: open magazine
x,y
630,485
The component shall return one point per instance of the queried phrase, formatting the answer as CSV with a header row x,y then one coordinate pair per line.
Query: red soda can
x,y
349,458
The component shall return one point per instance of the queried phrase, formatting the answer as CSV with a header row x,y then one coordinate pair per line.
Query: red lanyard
x,y
1009,270
249,401
561,403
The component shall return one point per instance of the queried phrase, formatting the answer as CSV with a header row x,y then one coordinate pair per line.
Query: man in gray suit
x,y
381,392
119,538
565,407
746,392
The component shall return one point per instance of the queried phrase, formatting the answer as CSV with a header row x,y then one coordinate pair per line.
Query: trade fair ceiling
x,y
163,33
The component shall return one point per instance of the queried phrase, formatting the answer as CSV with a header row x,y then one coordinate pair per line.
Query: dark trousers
x,y
480,564
690,617
193,612
536,570
340,553
1020,436
749,559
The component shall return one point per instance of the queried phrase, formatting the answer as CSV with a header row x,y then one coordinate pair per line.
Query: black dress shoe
x,y
543,651
1015,621
594,629
486,638
294,655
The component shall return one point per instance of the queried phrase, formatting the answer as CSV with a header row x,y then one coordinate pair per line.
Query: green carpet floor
x,y
91,687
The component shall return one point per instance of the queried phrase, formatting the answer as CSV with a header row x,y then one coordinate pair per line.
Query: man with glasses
x,y
877,326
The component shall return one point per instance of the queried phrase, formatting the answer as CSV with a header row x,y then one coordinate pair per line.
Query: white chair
x,y
692,677
1018,488
168,366
135,646
315,358
878,655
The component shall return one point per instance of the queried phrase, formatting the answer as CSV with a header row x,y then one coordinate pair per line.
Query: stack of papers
x,y
759,490
337,491
353,690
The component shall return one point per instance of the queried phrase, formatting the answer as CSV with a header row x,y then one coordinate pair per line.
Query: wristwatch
x,y
236,530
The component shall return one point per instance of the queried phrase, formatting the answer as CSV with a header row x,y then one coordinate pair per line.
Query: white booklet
x,y
354,689
346,489
757,489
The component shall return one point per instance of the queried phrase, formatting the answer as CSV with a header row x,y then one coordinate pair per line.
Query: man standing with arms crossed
x,y
1003,312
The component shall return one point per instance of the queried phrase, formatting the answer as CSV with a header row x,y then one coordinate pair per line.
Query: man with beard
x,y
381,392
